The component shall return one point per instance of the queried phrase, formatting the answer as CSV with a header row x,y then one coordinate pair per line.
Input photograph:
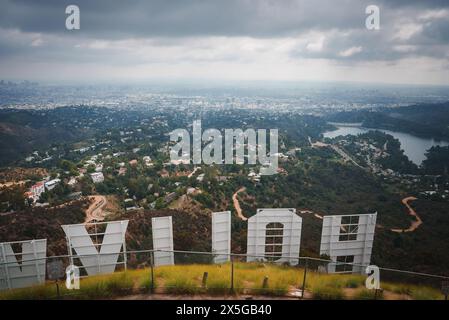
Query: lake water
x,y
414,147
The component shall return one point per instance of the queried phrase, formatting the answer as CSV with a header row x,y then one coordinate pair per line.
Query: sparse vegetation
x,y
365,294
248,279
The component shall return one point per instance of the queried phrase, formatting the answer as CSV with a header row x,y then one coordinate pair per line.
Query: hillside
x,y
425,120
42,223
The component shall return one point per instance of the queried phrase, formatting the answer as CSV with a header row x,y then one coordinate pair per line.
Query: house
x,y
282,171
281,156
130,205
200,177
133,163
27,195
45,204
122,171
170,197
82,150
49,185
292,152
118,154
164,173
182,173
178,162
88,163
36,190
254,176
97,177
193,191
72,181
147,161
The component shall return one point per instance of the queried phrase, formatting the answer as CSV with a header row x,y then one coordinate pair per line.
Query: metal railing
x,y
309,278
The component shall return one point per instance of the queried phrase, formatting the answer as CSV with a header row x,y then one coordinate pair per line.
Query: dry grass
x,y
248,279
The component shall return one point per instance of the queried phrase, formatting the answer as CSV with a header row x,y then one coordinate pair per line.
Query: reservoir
x,y
414,147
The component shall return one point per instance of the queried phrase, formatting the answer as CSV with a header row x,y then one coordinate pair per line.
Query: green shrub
x,y
353,283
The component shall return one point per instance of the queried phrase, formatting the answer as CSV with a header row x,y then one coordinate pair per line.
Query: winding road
x,y
415,224
95,210
237,204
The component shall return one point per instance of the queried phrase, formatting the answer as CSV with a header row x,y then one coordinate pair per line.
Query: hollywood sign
x,y
273,235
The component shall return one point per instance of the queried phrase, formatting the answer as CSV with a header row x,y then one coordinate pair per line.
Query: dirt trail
x,y
95,210
237,204
415,224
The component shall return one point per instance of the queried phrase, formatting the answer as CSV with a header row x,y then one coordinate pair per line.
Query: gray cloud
x,y
127,33
437,32
176,18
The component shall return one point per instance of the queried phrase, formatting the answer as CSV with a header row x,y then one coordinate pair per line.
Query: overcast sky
x,y
319,40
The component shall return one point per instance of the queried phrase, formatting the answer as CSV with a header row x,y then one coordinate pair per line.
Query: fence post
x,y
152,272
58,294
232,274
204,282
265,282
304,279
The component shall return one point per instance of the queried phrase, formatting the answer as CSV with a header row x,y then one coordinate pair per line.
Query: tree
x,y
437,161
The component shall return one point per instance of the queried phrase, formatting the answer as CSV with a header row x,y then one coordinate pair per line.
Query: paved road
x,y
337,149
